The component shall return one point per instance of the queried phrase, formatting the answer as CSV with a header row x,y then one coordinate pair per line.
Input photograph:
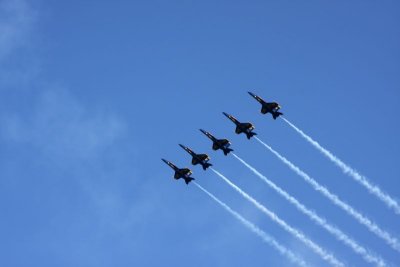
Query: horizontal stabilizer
x,y
250,134
227,150
188,180
276,114
206,165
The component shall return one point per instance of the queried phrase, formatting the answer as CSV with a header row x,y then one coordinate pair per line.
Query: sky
x,y
94,93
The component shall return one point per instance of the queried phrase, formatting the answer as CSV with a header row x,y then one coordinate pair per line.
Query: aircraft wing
x,y
203,157
186,171
225,142
248,125
265,109
273,106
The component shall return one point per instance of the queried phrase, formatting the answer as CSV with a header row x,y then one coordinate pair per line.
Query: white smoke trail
x,y
373,189
373,227
316,248
264,236
317,219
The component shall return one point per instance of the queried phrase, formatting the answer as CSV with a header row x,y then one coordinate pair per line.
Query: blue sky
x,y
94,93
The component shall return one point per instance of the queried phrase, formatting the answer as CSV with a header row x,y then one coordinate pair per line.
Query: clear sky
x,y
94,93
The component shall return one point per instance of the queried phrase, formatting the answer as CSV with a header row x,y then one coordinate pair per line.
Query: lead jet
x,y
268,107
222,144
201,159
180,173
242,127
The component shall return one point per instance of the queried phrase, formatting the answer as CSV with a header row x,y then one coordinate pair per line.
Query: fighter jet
x,y
201,159
241,127
222,144
267,107
180,173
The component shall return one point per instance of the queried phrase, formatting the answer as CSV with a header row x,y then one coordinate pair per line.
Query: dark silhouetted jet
x,y
201,159
180,173
271,107
242,127
222,144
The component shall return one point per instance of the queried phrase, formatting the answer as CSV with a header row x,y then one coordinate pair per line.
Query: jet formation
x,y
223,144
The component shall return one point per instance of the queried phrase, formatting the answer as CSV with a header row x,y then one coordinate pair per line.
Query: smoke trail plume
x,y
264,236
348,241
316,248
373,189
373,227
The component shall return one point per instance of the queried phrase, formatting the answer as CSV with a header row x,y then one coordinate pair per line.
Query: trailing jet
x,y
180,173
242,127
201,159
222,144
268,107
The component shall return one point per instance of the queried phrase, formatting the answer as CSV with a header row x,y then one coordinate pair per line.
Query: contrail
x,y
373,227
264,236
316,248
367,256
373,189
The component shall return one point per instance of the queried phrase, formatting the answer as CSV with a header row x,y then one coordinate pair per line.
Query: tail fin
x,y
250,134
188,180
206,165
227,150
276,114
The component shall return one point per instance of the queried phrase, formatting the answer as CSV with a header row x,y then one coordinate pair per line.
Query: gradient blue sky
x,y
94,93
